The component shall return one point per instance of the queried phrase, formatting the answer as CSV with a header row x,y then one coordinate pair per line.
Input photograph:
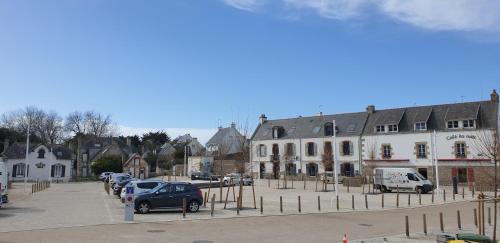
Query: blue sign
x,y
129,190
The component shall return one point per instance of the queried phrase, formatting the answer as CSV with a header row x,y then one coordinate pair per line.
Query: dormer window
x,y
469,124
393,128
452,124
420,126
329,129
380,128
41,153
278,132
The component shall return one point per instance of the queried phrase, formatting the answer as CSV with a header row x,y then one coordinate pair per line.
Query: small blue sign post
x,y
129,203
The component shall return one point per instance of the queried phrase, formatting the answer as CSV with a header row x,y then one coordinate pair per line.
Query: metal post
x,y
281,204
424,218
212,205
352,196
407,226
366,201
184,207
261,205
205,200
475,217
382,200
489,216
409,195
300,206
459,221
432,198
319,204
419,199
238,206
335,159
441,223
338,207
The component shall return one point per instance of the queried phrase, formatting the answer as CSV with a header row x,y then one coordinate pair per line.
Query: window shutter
x,y
52,168
454,172
315,149
63,170
14,170
294,149
27,170
341,148
351,148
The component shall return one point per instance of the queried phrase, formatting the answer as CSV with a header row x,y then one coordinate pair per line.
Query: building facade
x,y
442,141
45,163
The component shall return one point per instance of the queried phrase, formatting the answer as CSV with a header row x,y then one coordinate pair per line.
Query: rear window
x,y
147,185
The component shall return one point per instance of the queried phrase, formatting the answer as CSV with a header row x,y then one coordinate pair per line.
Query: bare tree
x,y
488,145
76,123
21,119
98,124
50,128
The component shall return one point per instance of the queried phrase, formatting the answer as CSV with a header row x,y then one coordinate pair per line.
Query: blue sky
x,y
190,65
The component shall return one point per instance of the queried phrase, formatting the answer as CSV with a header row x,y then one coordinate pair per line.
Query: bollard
x,y
366,201
473,191
304,183
363,188
338,207
382,200
281,204
184,207
348,186
212,205
444,195
459,221
419,199
475,217
300,206
261,205
489,216
268,181
316,182
238,206
319,204
397,200
352,196
407,226
453,196
441,224
409,195
463,192
432,198
205,200
424,218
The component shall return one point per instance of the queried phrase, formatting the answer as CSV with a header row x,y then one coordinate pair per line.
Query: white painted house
x,y
444,138
45,162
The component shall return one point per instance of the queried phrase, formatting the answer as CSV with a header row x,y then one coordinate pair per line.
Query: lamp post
x,y
27,152
335,162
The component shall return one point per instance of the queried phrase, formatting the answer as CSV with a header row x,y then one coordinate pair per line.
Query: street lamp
x,y
335,162
27,152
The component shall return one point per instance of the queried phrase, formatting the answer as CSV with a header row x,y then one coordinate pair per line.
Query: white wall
x,y
40,174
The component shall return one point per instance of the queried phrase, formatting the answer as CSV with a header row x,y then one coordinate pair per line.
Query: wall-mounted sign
x,y
461,136
40,165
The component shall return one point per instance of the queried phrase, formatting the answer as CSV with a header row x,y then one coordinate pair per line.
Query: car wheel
x,y
384,189
226,183
144,207
193,206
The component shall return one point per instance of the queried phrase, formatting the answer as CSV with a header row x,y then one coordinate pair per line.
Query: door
x,y
262,170
179,191
162,197
276,170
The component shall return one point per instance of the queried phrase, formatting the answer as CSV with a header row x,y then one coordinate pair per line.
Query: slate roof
x,y
436,116
228,136
363,123
348,124
18,151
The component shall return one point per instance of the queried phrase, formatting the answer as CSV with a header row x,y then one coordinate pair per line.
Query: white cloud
x,y
248,5
203,135
450,15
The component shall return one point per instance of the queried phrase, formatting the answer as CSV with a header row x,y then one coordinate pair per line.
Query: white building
x,y
45,162
448,137
304,145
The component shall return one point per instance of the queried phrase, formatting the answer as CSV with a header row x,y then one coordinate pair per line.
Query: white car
x,y
234,178
140,187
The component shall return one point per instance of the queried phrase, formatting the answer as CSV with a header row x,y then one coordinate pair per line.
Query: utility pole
x,y
27,153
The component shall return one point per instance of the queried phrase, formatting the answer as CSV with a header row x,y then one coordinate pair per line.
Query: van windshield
x,y
421,177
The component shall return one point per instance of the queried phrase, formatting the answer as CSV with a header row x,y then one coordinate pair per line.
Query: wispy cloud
x,y
436,15
203,135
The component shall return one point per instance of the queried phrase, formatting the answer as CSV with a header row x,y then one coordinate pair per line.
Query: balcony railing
x,y
275,157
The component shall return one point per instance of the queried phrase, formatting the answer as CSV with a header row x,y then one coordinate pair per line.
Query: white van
x,y
388,179
4,198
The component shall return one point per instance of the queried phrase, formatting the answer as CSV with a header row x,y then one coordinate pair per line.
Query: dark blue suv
x,y
169,196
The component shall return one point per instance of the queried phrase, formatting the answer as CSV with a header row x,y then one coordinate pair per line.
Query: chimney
x,y
370,109
320,113
220,128
262,119
233,125
494,96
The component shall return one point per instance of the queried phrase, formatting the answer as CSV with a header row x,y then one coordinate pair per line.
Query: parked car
x,y
116,178
234,178
104,175
387,179
204,176
4,195
140,186
170,196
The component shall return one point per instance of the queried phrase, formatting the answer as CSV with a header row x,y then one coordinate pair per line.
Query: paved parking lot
x,y
83,204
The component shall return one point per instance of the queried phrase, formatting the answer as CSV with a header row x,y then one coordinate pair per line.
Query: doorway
x,y
262,170
276,170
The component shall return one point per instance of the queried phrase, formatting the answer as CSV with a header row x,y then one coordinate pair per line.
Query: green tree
x,y
107,164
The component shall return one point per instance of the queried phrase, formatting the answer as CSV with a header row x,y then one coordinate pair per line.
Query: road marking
x,y
106,205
